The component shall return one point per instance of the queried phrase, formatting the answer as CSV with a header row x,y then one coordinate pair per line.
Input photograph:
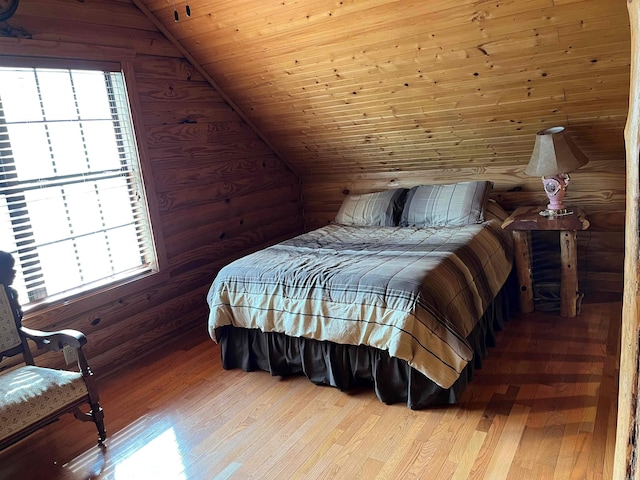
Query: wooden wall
x,y
356,96
361,96
217,190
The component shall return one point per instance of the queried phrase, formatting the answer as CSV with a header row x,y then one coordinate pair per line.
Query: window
x,y
72,204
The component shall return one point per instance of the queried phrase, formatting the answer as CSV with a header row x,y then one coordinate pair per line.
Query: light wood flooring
x,y
543,406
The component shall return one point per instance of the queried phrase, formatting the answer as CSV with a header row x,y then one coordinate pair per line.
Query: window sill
x,y
58,313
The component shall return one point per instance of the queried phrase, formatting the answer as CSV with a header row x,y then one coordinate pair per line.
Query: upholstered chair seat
x,y
28,393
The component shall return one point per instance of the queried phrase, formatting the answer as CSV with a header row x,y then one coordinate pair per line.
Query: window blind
x,y
72,206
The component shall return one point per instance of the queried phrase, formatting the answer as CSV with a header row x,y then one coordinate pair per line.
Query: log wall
x,y
216,190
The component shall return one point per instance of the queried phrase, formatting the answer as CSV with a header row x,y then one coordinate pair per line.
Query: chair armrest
x,y
55,341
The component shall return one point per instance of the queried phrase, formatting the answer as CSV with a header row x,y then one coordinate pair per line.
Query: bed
x,y
404,292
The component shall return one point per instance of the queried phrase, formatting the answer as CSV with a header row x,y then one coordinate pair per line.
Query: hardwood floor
x,y
543,406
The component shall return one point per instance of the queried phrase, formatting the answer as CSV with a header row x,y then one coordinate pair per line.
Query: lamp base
x,y
555,186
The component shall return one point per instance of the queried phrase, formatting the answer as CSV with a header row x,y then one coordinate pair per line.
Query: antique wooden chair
x,y
32,397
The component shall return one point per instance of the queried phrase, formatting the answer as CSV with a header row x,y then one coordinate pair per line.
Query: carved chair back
x,y
11,342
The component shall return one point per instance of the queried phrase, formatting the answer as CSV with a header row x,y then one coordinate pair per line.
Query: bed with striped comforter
x,y
416,293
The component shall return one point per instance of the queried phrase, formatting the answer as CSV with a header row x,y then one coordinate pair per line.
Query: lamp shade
x,y
554,153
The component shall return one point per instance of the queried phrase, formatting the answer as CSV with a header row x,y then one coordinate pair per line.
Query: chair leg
x,y
95,415
98,417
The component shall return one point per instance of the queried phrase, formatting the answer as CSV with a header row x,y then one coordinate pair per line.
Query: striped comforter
x,y
414,292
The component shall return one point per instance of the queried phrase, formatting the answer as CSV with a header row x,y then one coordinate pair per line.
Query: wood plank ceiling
x,y
345,87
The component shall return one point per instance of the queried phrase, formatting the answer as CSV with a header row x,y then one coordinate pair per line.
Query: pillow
x,y
438,205
372,209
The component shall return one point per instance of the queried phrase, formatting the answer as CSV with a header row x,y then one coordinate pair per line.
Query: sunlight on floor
x,y
158,459
146,449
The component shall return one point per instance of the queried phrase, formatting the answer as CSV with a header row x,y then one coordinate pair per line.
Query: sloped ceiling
x,y
345,87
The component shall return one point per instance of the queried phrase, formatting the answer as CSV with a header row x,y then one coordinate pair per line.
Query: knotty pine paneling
x,y
220,192
363,96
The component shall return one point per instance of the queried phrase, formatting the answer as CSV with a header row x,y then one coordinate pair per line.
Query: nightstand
x,y
525,219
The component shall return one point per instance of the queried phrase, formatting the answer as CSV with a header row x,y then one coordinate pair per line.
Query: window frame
x,y
39,53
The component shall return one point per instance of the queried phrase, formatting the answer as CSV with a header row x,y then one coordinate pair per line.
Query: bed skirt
x,y
350,366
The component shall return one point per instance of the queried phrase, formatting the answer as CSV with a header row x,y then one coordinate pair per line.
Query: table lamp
x,y
554,156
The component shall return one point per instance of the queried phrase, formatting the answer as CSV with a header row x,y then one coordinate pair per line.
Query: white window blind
x,y
72,205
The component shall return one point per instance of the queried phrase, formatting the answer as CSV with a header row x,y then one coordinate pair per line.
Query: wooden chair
x,y
32,397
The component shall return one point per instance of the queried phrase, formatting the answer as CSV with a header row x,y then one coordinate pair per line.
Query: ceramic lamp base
x,y
555,186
